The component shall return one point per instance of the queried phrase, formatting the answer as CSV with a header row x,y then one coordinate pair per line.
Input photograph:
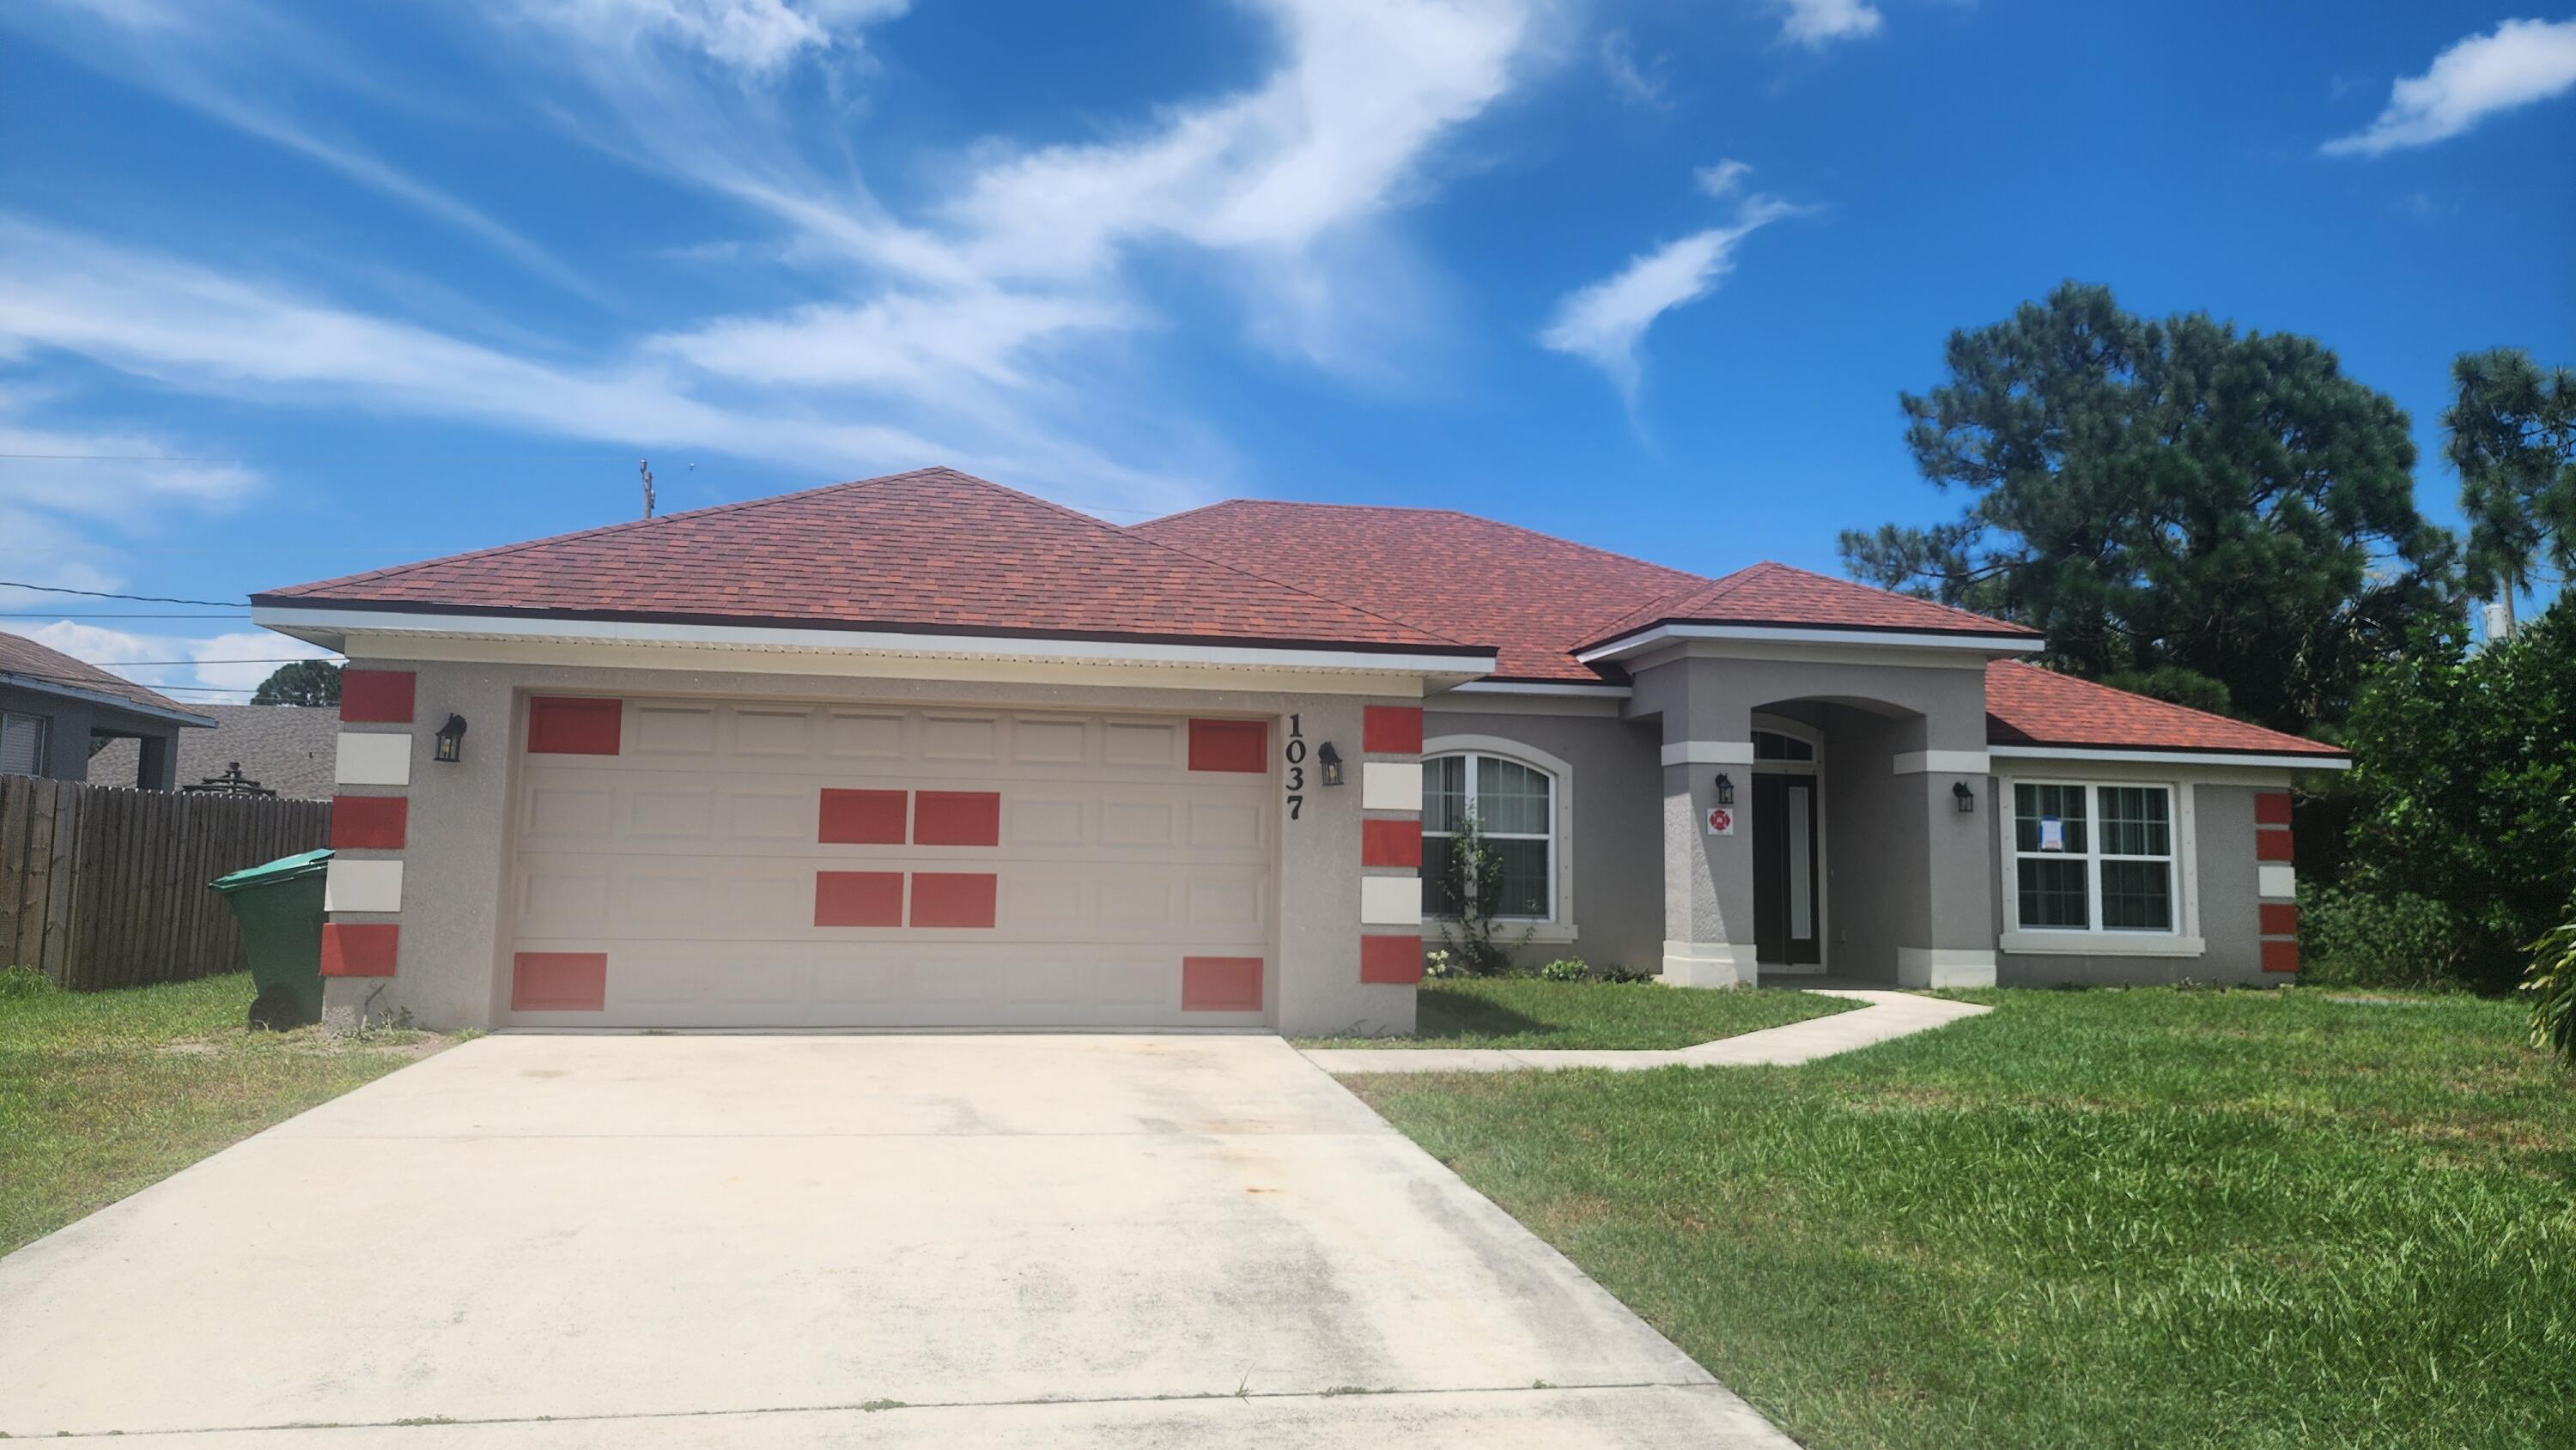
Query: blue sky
x,y
314,289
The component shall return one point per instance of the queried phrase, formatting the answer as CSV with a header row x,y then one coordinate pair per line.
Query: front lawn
x,y
1529,1012
103,1093
2145,1217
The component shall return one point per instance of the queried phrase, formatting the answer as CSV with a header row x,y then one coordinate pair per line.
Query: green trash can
x,y
280,907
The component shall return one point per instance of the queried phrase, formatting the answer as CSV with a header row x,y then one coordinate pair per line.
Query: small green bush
x,y
2351,938
1437,963
19,983
1566,969
2551,986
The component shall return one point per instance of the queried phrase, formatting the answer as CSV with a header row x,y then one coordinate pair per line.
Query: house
x,y
925,751
286,749
52,706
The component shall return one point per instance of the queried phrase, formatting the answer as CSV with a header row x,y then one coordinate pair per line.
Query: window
x,y
2093,857
22,744
1777,745
1515,806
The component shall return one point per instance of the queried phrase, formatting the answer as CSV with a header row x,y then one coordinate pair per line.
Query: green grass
x,y
2107,1218
104,1093
1528,1012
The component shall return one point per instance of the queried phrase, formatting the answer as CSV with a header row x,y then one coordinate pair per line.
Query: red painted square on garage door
x,y
561,726
1220,984
858,898
1236,745
558,981
957,818
953,898
862,818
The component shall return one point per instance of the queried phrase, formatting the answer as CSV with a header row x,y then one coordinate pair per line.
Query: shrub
x,y
1566,969
19,983
2552,989
1472,876
1436,963
2349,937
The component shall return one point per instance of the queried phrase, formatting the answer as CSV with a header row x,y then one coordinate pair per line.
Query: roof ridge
x,y
623,526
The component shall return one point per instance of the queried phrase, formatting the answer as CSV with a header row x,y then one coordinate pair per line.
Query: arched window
x,y
1515,806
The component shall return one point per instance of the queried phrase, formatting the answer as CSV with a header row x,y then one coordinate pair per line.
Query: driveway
x,y
557,1241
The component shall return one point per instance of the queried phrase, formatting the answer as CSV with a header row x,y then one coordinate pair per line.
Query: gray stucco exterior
x,y
74,719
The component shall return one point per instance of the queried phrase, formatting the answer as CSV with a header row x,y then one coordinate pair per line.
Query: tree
x,y
2212,516
2512,430
2464,787
305,682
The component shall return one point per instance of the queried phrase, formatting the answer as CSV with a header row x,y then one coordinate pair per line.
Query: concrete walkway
x,y
550,1242
1887,1016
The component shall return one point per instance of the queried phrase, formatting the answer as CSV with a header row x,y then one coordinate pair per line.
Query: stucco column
x,y
157,763
1952,943
1708,878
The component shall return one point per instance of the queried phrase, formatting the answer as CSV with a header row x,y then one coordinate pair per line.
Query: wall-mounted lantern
x,y
1329,761
451,741
1725,790
1966,798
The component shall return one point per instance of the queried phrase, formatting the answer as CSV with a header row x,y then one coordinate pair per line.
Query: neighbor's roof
x,y
287,748
932,551
2028,705
1532,596
1777,594
29,665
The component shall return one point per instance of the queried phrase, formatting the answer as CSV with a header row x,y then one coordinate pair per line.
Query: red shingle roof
x,y
932,551
1532,596
2028,705
1769,593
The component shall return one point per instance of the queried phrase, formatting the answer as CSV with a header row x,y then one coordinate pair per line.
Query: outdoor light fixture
x,y
1329,761
1725,790
1966,798
451,741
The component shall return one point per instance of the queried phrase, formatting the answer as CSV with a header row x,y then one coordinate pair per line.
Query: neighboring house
x,y
52,704
287,749
923,751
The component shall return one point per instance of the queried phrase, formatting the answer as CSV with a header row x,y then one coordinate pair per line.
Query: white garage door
x,y
695,863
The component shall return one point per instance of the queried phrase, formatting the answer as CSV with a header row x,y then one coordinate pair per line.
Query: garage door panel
x,y
696,861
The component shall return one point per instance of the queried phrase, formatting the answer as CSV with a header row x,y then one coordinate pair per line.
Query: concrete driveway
x,y
817,1240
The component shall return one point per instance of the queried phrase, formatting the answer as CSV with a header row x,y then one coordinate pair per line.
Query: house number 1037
x,y
1296,753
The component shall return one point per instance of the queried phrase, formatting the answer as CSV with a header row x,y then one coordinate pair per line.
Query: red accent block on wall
x,y
1393,960
2271,808
359,949
953,898
1236,745
1391,843
559,982
858,898
369,822
957,818
1391,729
2279,918
2272,845
862,818
376,697
2280,956
1220,984
563,726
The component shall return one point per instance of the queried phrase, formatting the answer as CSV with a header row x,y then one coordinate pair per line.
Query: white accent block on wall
x,y
363,886
373,759
1955,762
1391,901
1391,785
1944,967
1709,752
2275,878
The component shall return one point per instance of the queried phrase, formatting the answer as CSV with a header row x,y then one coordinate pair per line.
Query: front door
x,y
1786,929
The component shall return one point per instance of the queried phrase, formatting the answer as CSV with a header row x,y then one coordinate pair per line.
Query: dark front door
x,y
1787,924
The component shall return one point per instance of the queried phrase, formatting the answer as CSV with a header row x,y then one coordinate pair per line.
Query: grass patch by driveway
x,y
2102,1218
1529,1012
104,1093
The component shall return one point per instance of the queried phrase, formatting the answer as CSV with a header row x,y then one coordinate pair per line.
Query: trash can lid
x,y
269,873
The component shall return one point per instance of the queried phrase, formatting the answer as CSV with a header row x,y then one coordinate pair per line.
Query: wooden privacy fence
x,y
103,887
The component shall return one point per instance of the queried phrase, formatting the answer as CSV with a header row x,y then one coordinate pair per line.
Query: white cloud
x,y
223,669
1818,23
1604,322
751,35
1722,179
1619,63
2523,62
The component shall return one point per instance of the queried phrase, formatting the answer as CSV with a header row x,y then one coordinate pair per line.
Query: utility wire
x,y
96,594
87,682
78,614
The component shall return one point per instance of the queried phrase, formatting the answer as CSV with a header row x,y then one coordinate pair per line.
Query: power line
x,y
81,614
88,682
262,660
96,594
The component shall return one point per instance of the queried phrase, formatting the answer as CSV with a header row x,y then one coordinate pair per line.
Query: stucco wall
x,y
2225,876
454,922
1616,902
67,745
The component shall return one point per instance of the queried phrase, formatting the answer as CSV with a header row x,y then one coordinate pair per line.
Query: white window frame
x,y
2181,939
43,726
1558,925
